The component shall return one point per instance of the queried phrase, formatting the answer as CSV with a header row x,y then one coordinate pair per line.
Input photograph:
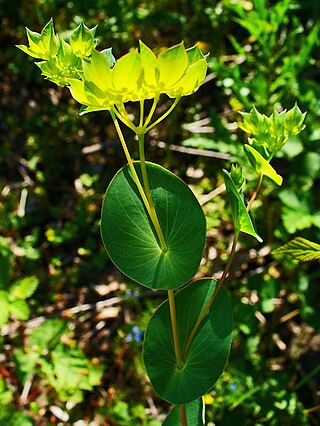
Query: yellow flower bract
x,y
99,82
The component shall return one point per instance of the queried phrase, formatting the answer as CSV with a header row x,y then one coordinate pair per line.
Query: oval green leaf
x,y
128,233
194,414
208,352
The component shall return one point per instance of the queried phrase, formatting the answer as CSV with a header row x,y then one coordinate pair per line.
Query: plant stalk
x,y
212,298
163,116
183,415
255,192
130,162
153,213
174,324
152,110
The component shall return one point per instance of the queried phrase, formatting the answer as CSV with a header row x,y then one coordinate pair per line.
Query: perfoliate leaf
x,y
241,218
194,413
261,165
208,352
301,249
124,220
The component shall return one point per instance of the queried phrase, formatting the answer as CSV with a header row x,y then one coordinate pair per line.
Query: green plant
x,y
13,293
152,225
63,366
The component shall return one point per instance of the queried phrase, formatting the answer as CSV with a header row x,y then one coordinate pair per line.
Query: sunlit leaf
x,y
172,65
301,249
241,218
261,165
82,40
19,309
129,236
127,74
208,353
4,307
194,413
24,288
190,81
149,65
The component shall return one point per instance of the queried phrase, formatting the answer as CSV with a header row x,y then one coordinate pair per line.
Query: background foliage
x,y
63,306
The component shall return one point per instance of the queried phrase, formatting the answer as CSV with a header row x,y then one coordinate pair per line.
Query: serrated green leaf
x,y
19,309
24,288
48,334
6,395
194,414
208,352
4,308
25,363
11,417
68,371
301,249
241,218
261,165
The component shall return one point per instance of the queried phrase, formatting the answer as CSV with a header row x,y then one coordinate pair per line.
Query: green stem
x,y
141,113
163,116
130,162
153,213
255,192
174,324
212,298
152,110
123,117
183,415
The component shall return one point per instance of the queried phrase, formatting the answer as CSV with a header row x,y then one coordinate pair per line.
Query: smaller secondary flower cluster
x,y
97,81
272,132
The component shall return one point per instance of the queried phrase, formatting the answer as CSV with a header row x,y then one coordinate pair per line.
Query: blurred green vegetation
x,y
55,278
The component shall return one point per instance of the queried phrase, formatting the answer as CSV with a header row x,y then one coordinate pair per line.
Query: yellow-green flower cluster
x,y
274,131
98,82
